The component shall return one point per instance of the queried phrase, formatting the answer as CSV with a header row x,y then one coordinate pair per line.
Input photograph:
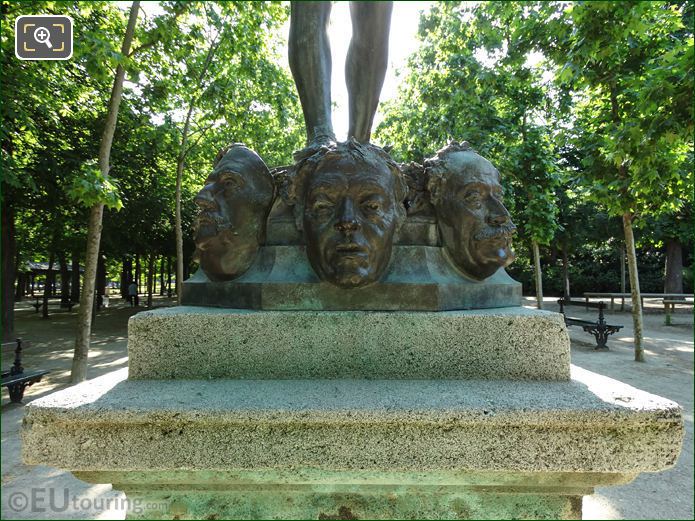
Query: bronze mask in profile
x,y
474,226
233,208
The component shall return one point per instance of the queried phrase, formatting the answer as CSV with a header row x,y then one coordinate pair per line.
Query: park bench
x,y
670,304
39,302
16,379
670,307
623,296
600,329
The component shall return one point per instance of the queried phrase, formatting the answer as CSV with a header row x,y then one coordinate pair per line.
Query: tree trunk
x,y
84,315
150,278
21,285
673,277
168,276
64,279
101,281
179,230
634,286
565,275
8,268
161,276
126,275
84,321
18,278
538,275
623,284
47,287
180,165
75,285
138,270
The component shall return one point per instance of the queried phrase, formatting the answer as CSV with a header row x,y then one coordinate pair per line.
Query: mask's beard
x,y
215,223
211,231
222,224
495,232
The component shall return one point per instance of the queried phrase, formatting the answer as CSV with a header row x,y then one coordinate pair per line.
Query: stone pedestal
x,y
354,448
197,342
266,495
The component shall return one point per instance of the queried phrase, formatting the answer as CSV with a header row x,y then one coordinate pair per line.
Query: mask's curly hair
x,y
437,167
223,151
294,181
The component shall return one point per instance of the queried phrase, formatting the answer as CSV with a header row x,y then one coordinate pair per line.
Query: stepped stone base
x,y
196,342
321,495
348,449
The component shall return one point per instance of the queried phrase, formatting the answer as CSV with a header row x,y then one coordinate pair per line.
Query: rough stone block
x,y
250,449
196,342
589,424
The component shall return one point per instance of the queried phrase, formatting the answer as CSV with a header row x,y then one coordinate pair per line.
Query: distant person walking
x,y
133,294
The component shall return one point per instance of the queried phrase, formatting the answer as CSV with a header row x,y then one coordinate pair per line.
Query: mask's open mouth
x,y
351,247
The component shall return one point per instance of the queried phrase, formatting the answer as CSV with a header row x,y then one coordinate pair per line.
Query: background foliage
x,y
585,107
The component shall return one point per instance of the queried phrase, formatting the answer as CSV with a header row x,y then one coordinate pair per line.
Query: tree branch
x,y
154,42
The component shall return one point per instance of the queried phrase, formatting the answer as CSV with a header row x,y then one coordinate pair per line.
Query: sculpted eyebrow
x,y
372,187
322,188
230,174
478,185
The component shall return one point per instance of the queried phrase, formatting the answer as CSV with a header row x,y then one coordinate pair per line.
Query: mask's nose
x,y
347,217
498,215
206,200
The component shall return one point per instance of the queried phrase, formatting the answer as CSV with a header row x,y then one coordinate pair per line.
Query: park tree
x,y
446,91
47,125
236,55
629,67
672,232
143,156
54,123
219,82
471,79
95,189
621,97
527,109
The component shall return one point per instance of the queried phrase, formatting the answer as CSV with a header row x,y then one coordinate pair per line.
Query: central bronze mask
x,y
350,207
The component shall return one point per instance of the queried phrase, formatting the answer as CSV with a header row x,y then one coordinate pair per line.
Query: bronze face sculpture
x,y
475,228
234,206
349,202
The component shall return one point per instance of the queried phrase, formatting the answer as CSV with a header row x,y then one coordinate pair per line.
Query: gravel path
x,y
668,372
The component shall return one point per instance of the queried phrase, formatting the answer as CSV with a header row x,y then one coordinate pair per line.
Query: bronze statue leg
x,y
310,63
366,63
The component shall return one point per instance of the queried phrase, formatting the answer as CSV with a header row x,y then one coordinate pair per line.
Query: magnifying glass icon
x,y
43,35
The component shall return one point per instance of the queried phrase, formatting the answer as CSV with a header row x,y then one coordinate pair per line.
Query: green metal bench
x,y
16,379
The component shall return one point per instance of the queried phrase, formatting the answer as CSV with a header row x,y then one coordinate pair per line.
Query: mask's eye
x,y
322,205
371,206
473,197
231,181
